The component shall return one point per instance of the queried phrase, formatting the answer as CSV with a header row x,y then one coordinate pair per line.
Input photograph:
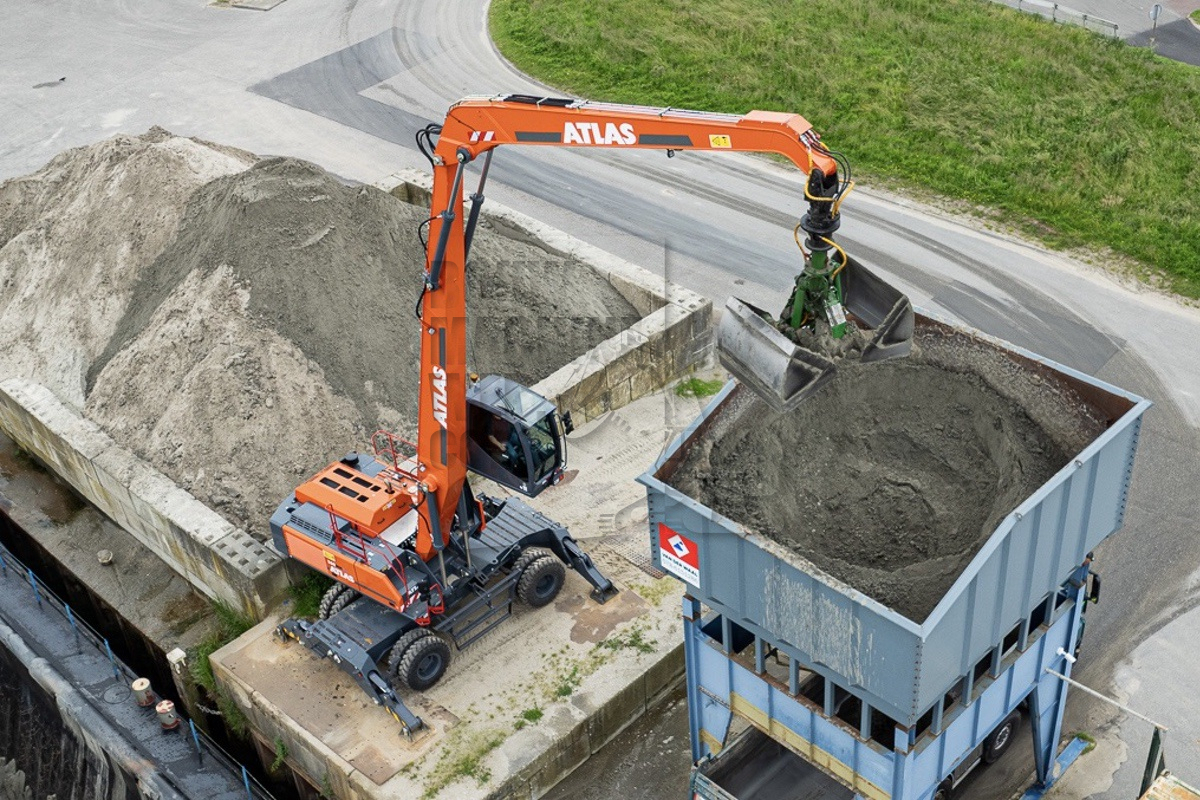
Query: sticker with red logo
x,y
679,555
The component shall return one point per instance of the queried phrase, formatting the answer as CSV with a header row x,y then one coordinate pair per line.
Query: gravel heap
x,y
238,322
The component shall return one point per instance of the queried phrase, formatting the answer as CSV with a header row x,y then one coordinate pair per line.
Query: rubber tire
x,y
528,556
944,791
541,582
329,598
1000,739
344,599
419,660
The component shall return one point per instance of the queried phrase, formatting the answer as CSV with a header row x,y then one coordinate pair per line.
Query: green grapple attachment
x,y
785,362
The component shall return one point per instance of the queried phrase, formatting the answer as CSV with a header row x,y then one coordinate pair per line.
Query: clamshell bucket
x,y
782,372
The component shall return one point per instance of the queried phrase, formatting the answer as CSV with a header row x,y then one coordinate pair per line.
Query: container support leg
x,y
691,619
1047,702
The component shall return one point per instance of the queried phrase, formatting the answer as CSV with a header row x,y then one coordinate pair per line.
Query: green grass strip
x,y
1077,139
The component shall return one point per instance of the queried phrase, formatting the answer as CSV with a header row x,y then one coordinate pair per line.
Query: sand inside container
x,y
893,476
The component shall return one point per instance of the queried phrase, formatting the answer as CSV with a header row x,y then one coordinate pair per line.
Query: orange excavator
x,y
421,562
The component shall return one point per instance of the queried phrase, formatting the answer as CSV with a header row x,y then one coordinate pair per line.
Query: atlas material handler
x,y
422,562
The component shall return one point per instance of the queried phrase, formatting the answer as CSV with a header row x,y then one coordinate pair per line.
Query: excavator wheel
x,y
344,599
528,556
325,609
419,659
541,581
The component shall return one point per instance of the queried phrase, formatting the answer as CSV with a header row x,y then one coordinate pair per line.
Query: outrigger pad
x,y
782,372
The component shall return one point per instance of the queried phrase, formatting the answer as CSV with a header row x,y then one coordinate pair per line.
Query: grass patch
x,y
462,757
1088,738
654,593
1195,16
306,594
231,623
632,639
698,387
568,683
281,754
1073,138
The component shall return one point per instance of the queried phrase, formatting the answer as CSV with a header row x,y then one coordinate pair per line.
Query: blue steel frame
x,y
721,685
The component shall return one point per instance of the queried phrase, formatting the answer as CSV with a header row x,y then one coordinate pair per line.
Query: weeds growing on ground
x,y
698,387
306,594
231,623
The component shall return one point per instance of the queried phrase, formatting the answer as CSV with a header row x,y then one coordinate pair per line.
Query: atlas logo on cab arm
x,y
598,133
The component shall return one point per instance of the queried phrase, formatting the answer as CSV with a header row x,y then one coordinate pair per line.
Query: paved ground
x,y
347,86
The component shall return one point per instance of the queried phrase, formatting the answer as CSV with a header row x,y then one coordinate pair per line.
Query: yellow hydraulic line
x,y
841,252
837,204
796,236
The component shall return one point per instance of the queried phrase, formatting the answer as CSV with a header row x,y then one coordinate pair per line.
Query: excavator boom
x,y
750,344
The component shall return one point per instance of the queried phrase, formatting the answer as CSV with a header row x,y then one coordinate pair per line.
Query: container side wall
x,y
1029,557
810,620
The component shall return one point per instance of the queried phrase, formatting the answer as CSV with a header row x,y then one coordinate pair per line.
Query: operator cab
x,y
515,436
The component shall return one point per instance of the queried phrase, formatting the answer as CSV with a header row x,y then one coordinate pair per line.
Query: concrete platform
x,y
523,707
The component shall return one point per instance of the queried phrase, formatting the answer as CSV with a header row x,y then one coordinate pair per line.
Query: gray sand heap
x,y
238,322
892,476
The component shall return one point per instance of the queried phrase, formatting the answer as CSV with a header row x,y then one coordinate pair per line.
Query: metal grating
x,y
637,552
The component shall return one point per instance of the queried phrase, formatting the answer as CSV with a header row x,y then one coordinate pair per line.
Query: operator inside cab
x,y
515,436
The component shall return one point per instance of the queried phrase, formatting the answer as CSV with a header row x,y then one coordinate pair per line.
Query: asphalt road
x,y
347,85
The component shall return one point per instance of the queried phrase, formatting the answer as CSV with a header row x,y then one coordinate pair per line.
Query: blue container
x,y
903,667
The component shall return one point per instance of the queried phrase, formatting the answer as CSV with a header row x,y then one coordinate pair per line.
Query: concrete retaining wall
x,y
222,561
672,339
526,765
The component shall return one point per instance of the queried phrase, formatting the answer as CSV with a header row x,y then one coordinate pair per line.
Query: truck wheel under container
x,y
1000,739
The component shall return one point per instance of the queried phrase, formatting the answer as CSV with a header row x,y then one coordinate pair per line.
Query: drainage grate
x,y
636,551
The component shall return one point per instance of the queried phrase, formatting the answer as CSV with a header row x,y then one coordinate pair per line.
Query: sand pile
x,y
893,476
73,238
238,322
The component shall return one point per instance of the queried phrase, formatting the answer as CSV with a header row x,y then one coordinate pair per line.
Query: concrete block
x,y
614,716
664,674
219,560
620,394
571,748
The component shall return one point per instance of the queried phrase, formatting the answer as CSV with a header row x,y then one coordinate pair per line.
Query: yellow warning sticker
x,y
719,140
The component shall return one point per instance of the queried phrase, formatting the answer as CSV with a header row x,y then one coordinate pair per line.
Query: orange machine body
x,y
371,522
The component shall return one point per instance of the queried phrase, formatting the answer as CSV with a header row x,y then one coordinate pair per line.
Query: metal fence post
x,y
112,660
246,780
196,739
74,627
1155,763
33,582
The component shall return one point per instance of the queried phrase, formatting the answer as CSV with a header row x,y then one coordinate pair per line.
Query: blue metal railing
x,y
44,596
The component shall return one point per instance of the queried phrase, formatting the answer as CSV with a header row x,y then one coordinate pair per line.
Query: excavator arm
x,y
750,344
